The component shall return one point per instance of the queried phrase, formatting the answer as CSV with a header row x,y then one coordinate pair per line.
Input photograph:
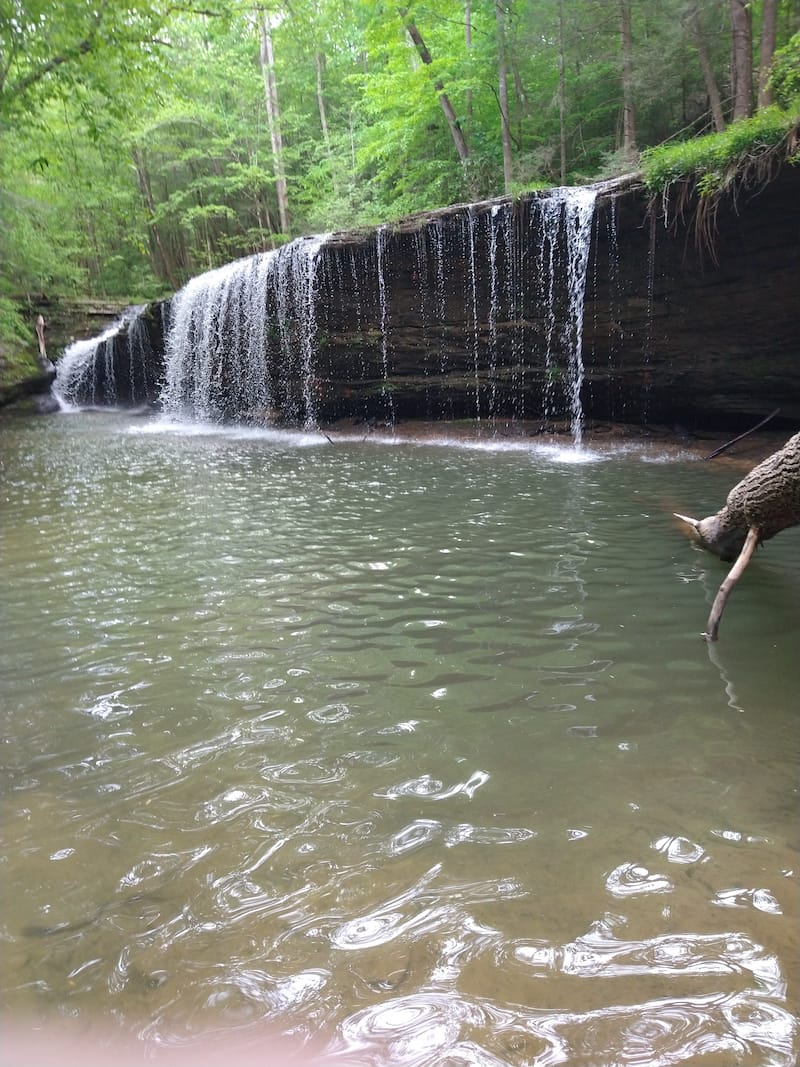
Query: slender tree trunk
x,y
628,110
714,98
209,248
742,65
562,94
449,112
769,31
94,260
468,44
155,236
45,363
319,64
267,61
519,89
502,81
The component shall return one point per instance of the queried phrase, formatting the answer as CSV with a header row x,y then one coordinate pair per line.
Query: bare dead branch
x,y
727,445
730,580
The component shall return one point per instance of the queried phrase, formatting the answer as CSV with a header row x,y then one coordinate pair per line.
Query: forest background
x,y
145,141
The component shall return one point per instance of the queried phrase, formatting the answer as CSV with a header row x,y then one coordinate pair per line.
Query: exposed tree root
x,y
730,580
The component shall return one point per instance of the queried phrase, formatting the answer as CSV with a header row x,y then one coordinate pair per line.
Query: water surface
x,y
412,750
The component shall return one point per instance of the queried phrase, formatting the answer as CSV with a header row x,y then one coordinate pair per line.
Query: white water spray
x,y
566,220
242,339
76,383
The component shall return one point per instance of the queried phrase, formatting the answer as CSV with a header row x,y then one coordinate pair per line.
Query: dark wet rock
x,y
36,386
674,331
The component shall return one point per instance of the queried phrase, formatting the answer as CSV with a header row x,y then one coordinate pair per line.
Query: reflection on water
x,y
415,750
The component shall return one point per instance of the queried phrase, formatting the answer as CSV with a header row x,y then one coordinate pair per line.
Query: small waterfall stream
x,y
108,369
383,300
578,212
242,339
216,314
469,226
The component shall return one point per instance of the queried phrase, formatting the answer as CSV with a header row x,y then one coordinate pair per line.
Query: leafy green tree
x,y
135,139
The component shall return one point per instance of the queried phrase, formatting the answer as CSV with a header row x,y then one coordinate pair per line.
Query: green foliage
x,y
17,357
716,159
13,328
135,149
785,78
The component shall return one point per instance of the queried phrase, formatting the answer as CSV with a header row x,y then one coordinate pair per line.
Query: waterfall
x,y
103,369
470,223
297,265
565,216
579,211
242,339
383,301
474,312
494,305
75,384
214,344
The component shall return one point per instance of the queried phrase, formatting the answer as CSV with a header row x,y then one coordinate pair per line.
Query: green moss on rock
x,y
748,149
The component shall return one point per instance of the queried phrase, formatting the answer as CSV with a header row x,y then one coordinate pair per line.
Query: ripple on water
x,y
679,849
422,832
330,714
434,789
633,879
760,899
233,802
600,953
427,907
413,1029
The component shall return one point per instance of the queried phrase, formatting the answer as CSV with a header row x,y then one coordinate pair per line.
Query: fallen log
x,y
758,507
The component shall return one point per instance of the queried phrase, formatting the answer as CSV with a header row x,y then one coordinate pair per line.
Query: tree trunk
x,y
502,81
762,504
519,89
628,111
714,98
742,65
319,63
267,61
449,112
769,31
562,95
468,45
155,234
768,498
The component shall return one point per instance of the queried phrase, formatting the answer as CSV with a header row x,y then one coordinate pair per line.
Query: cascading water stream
x,y
242,339
75,371
565,217
297,309
494,305
86,374
380,255
578,213
469,223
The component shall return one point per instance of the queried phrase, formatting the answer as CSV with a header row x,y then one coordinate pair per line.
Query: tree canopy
x,y
143,141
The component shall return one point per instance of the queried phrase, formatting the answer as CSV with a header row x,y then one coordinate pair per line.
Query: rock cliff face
x,y
704,336
672,331
571,304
